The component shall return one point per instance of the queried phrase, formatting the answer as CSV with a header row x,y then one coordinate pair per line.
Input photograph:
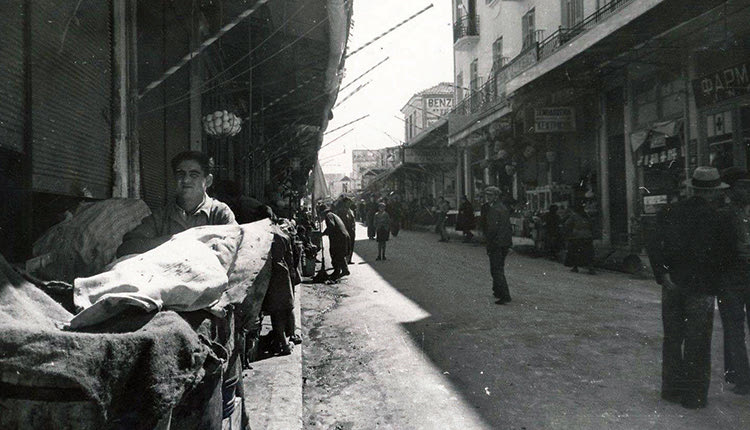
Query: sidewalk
x,y
273,386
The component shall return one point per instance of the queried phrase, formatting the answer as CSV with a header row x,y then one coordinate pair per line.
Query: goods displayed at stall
x,y
158,338
541,198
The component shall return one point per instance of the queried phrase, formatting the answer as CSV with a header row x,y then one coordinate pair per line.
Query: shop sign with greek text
x,y
559,119
429,156
725,84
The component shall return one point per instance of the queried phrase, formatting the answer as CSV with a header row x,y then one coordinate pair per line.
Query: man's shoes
x,y
286,349
502,301
345,273
692,403
672,397
295,339
742,390
574,270
384,258
378,259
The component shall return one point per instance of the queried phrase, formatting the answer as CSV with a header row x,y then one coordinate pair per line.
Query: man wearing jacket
x,y
499,236
693,244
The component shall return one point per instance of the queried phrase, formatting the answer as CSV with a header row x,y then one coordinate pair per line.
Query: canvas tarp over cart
x,y
138,369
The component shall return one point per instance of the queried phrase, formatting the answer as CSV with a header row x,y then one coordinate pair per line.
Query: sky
x,y
420,56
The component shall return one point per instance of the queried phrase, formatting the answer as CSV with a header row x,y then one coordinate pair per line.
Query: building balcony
x,y
466,32
480,103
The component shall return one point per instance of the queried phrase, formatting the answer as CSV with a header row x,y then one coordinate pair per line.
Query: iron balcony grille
x,y
563,35
466,26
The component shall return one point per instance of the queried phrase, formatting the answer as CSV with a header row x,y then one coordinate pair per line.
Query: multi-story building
x,y
619,99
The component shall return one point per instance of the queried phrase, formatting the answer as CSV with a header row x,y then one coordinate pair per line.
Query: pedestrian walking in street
x,y
383,228
393,207
372,207
579,232
499,236
692,245
734,296
345,212
442,217
338,238
465,221
551,223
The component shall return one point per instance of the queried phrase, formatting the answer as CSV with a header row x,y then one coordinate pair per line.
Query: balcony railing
x,y
564,35
466,26
491,95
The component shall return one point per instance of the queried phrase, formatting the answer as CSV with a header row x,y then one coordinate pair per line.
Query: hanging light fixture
x,y
222,124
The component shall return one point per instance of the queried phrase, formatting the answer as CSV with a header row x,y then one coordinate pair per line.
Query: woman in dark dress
x,y
465,219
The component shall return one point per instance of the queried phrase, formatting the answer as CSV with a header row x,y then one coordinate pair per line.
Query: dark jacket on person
x,y
465,219
694,242
497,228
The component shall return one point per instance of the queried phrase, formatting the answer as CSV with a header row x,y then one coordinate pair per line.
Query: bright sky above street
x,y
420,55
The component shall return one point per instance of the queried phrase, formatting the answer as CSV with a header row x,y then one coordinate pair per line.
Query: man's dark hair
x,y
206,162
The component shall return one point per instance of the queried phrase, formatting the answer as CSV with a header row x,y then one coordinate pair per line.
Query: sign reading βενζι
x,y
554,119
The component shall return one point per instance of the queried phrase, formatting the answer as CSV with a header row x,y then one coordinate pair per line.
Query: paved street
x,y
416,342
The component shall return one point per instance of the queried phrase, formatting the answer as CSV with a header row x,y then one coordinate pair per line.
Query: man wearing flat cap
x,y
499,236
693,245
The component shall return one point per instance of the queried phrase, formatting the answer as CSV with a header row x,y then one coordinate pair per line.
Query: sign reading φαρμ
x,y
554,119
725,84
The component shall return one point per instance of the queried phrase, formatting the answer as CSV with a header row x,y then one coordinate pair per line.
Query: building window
x,y
497,53
572,12
527,29
460,86
474,73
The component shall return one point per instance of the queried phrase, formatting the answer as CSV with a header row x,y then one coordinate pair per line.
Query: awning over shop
x,y
666,128
399,170
434,135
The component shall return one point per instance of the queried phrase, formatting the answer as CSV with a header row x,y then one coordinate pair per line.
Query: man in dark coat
x,y
345,212
338,239
692,245
499,236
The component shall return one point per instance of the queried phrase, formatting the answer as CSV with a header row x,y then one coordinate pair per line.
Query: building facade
x,y
619,100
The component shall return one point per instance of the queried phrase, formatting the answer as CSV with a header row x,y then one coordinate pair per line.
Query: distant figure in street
x,y
344,211
372,207
499,236
734,296
692,245
383,228
465,221
442,215
362,211
579,231
551,221
393,207
191,207
338,239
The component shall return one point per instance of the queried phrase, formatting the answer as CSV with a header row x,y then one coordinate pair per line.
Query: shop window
x,y
719,136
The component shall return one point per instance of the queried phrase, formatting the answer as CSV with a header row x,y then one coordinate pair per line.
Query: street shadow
x,y
571,350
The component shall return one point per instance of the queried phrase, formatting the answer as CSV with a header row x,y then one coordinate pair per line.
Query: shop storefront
x,y
722,97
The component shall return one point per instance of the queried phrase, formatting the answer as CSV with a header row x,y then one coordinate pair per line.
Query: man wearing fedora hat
x,y
693,243
734,296
499,236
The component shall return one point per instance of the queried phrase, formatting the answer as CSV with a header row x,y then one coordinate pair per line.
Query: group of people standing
x,y
700,252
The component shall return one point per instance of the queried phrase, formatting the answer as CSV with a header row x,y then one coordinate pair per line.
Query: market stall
x,y
158,344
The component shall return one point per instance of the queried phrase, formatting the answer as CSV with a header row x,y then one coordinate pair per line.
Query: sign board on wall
x,y
554,119
725,84
435,107
429,156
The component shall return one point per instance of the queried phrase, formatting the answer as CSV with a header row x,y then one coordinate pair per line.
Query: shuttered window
x,y
11,75
71,97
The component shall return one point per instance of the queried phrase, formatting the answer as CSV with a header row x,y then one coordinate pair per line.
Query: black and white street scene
x,y
392,214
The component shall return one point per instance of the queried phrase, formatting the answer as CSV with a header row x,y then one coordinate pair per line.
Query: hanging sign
x,y
559,119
